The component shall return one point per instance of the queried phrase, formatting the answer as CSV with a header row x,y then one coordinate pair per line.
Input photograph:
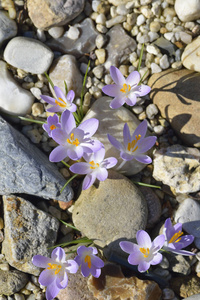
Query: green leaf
x,y
31,120
140,58
49,80
66,89
146,184
69,225
68,182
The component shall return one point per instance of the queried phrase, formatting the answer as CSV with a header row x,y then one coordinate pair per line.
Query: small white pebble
x,y
37,109
140,20
152,49
185,37
164,63
168,35
114,21
56,32
159,129
36,92
155,68
4,267
73,33
101,55
95,4
98,71
101,19
153,36
101,28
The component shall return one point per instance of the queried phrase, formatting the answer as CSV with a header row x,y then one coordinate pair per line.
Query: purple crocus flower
x,y
62,102
134,146
175,240
146,252
88,261
74,142
125,90
54,277
95,167
52,123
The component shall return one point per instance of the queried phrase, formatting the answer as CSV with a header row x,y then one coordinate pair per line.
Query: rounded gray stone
x,y
8,27
12,282
28,54
115,209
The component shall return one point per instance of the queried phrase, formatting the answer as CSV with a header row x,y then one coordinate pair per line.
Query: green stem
x,y
67,183
64,163
49,80
69,225
140,58
76,118
31,120
146,184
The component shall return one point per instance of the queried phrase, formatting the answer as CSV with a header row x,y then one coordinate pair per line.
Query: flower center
x,y
126,88
62,103
145,251
72,140
176,237
88,261
93,165
52,127
55,267
131,145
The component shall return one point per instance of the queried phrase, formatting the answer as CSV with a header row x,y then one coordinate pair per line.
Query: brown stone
x,y
112,284
177,95
186,286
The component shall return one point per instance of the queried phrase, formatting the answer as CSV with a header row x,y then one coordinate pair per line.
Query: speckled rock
x,y
193,297
12,282
187,10
8,27
13,98
177,95
28,54
178,263
185,286
184,176
53,13
112,121
65,69
112,283
102,212
85,43
28,232
190,57
26,169
119,47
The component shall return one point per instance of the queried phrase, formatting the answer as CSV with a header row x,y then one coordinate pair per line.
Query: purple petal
x,y
88,181
133,78
143,266
55,108
126,156
62,280
48,99
41,261
117,76
102,174
178,227
75,153
156,259
146,144
158,242
184,242
135,257
126,134
93,250
109,162
72,108
114,142
127,246
95,272
144,159
117,102
182,252
140,130
99,155
142,90
111,90
85,270
169,229
47,277
72,266
52,291
89,126
70,95
58,154
143,239
59,93
97,262
81,250
59,136
80,168
92,146
67,121
58,254
131,99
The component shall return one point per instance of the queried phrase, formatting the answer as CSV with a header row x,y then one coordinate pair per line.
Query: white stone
x,y
122,10
28,54
73,33
56,32
13,99
152,49
140,20
185,37
101,19
191,55
164,63
153,36
187,10
112,121
115,21
168,35
63,69
95,4
155,68
155,26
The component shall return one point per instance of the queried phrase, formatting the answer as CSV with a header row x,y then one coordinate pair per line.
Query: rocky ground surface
x,y
60,37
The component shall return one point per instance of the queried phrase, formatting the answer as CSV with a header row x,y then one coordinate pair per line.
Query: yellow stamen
x,y
126,88
88,261
62,103
93,165
175,238
145,251
52,127
132,144
73,141
55,267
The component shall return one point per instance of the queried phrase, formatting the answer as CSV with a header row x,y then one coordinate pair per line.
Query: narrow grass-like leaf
x,y
64,163
49,80
68,181
66,88
146,184
31,120
143,77
140,58
69,225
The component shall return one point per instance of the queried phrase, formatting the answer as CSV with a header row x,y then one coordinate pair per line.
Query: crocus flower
x,y
74,142
134,146
62,102
95,167
88,261
52,123
54,277
175,240
146,252
125,90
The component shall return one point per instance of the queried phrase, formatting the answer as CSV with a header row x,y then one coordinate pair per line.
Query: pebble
x,y
12,282
164,63
100,41
190,57
36,92
13,98
98,71
114,21
140,20
37,61
56,32
8,28
73,33
151,111
187,10
37,109
101,56
155,68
